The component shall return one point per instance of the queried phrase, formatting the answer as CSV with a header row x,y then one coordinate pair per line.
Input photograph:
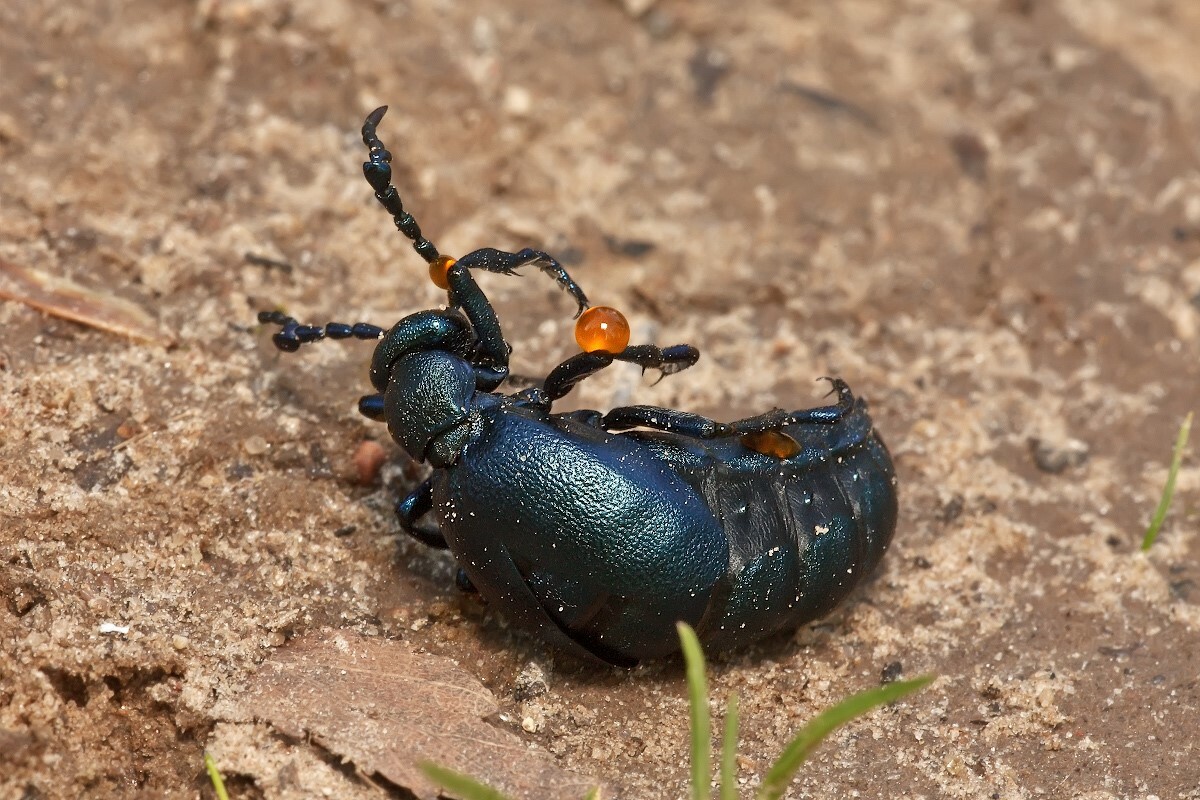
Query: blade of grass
x,y
693,659
465,787
825,723
1160,514
214,775
729,751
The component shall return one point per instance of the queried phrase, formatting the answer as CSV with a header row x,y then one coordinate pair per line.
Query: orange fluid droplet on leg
x,y
771,443
602,328
438,269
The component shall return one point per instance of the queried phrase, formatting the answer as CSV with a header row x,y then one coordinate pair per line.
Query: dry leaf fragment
x,y
386,709
62,297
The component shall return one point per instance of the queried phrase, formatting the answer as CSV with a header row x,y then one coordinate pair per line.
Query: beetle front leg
x,y
491,361
500,262
494,350
410,510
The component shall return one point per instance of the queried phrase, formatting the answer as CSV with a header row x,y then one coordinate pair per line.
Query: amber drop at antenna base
x,y
438,269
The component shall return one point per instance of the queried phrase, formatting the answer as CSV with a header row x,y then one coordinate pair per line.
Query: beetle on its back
x,y
601,531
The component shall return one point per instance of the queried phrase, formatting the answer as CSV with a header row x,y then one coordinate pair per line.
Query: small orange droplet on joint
x,y
602,328
438,269
772,443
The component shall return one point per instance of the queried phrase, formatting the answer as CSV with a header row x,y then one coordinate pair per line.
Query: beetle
x,y
599,531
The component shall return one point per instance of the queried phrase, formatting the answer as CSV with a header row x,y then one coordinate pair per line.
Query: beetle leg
x,y
412,508
822,415
492,351
292,334
562,379
532,397
463,582
587,416
498,261
668,360
371,407
664,419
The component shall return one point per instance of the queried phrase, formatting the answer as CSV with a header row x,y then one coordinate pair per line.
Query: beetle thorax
x,y
427,404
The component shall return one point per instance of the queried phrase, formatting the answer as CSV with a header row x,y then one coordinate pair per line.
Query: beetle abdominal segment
x,y
599,531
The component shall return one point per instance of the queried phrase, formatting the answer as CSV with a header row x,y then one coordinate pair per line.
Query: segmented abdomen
x,y
802,532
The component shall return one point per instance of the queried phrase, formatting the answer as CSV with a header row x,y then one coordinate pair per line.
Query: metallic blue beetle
x,y
597,536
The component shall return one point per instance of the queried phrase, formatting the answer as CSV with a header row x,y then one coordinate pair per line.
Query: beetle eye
x,y
772,443
602,328
438,269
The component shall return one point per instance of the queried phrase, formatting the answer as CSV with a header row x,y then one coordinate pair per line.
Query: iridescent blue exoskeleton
x,y
599,531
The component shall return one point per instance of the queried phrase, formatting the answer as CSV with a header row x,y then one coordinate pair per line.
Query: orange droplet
x,y
438,269
602,328
772,443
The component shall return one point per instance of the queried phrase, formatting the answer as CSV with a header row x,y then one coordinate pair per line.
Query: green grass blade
x,y
461,785
594,794
1160,513
214,775
729,752
693,659
811,735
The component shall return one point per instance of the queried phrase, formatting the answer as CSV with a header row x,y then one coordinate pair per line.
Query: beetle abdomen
x,y
835,521
802,531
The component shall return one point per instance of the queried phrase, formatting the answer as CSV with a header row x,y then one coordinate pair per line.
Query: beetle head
x,y
425,330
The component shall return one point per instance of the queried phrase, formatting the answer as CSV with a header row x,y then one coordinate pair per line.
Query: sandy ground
x,y
984,215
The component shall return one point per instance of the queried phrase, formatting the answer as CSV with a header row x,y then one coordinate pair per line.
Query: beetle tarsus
x,y
500,262
822,415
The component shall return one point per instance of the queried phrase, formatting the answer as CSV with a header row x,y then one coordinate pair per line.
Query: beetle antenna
x,y
292,334
378,171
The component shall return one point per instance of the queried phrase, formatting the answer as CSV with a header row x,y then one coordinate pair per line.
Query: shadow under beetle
x,y
600,531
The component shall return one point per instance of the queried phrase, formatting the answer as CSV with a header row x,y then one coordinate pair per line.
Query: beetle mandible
x,y
598,531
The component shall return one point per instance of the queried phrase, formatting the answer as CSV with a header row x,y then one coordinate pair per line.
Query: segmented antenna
x,y
292,334
378,172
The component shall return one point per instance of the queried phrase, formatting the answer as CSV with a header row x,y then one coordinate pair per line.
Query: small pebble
x,y
530,683
1055,457
368,458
